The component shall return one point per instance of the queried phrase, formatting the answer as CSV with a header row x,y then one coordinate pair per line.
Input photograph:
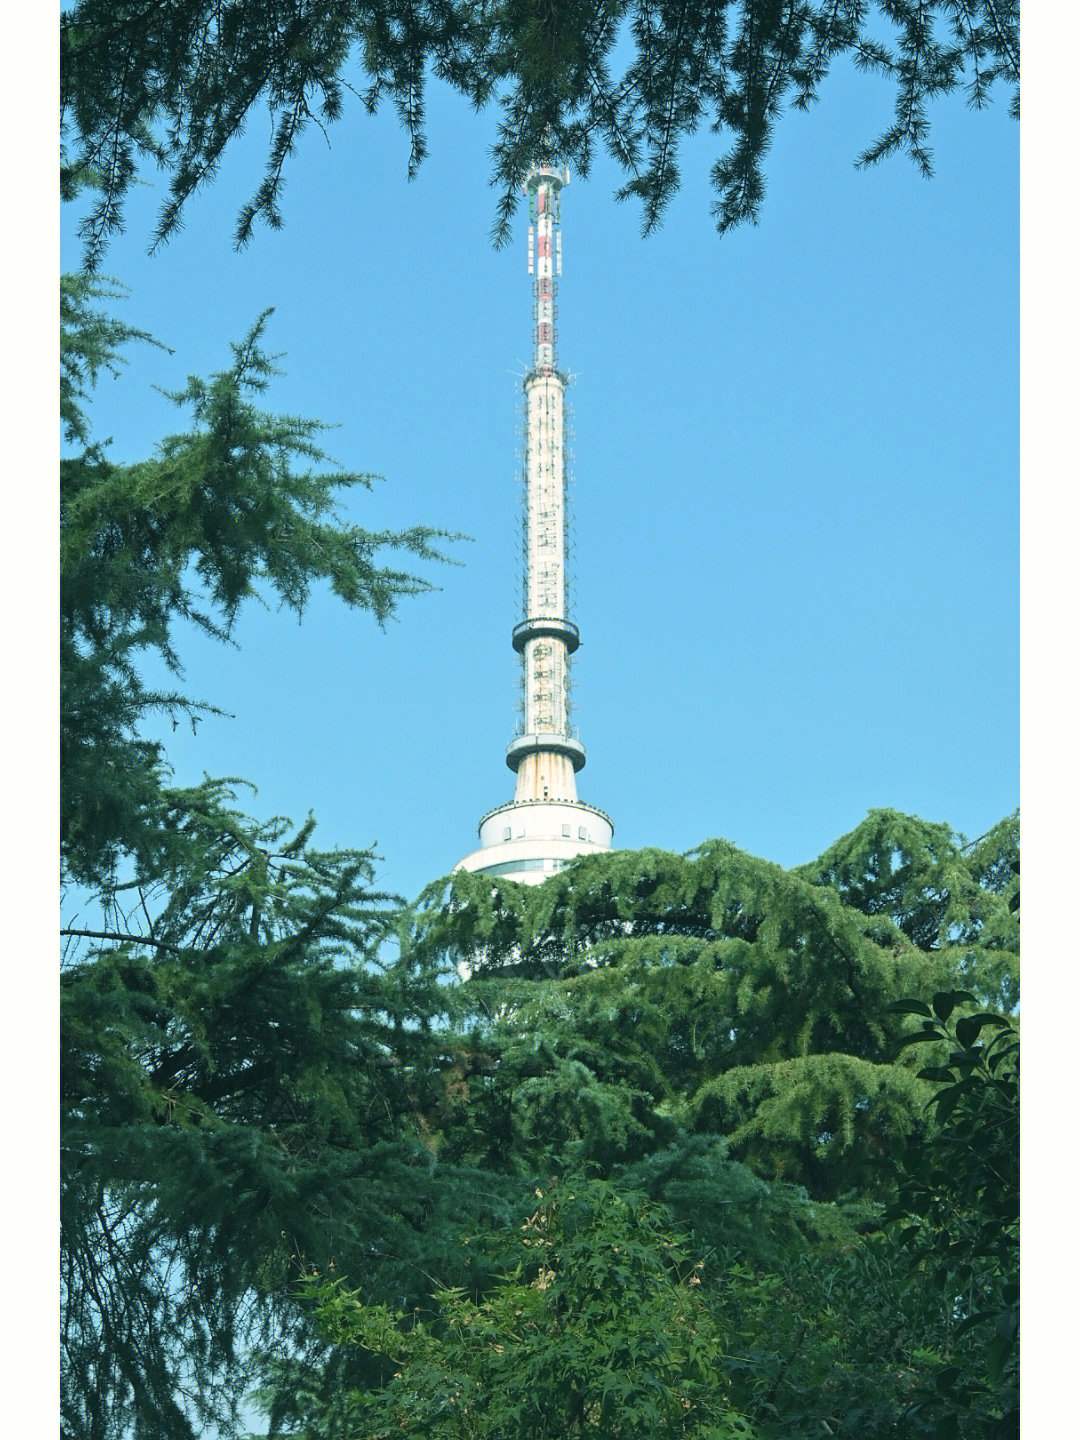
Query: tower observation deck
x,y
545,824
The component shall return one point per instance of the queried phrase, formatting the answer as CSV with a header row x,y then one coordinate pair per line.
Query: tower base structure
x,y
530,840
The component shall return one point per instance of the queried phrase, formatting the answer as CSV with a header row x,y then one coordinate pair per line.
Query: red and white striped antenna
x,y
543,185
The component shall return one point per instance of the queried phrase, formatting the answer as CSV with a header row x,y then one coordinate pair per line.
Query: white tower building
x,y
545,824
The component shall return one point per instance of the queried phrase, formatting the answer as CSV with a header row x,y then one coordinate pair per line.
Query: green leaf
x,y
909,1007
944,1005
947,1101
920,1037
999,1351
946,1001
967,1030
946,1379
988,1017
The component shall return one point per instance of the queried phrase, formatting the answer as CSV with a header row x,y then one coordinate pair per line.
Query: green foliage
x,y
824,1108
299,1098
239,1100
641,994
706,1030
220,1081
599,1328
174,85
828,1340
943,892
958,1212
220,514
732,1213
235,1056
91,341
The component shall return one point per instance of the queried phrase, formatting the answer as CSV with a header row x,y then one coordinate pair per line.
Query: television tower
x,y
545,825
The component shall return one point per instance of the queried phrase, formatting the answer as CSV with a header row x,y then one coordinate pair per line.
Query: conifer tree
x,y
944,893
173,84
238,1101
227,510
640,995
235,1058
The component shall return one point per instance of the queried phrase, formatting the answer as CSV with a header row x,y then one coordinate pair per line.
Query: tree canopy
x,y
173,85
718,993
724,1049
305,1134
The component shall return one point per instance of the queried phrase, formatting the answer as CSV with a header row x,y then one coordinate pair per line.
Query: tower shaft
x,y
545,637
545,656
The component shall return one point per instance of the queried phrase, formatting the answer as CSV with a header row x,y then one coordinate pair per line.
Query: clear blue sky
x,y
795,501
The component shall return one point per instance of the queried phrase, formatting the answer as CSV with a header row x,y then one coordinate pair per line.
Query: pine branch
x,y
121,937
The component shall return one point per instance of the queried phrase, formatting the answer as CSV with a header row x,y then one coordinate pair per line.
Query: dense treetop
x,y
284,1080
648,993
